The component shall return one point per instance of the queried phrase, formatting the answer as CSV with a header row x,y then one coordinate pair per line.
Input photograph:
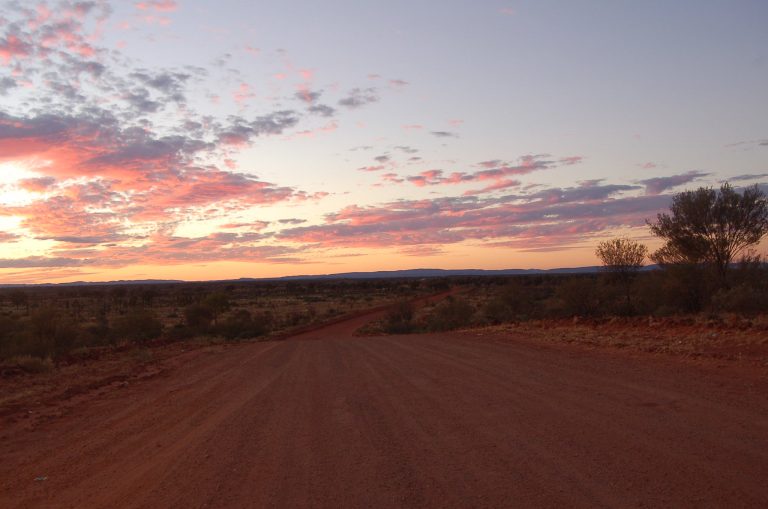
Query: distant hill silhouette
x,y
381,274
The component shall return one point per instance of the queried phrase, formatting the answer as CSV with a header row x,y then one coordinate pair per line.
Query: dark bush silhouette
x,y
242,325
579,296
217,303
513,302
139,325
51,334
452,313
198,317
399,319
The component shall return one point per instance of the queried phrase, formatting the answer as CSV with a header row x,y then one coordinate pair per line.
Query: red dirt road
x,y
331,420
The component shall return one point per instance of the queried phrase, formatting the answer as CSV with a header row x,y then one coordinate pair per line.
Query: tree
x,y
622,258
711,227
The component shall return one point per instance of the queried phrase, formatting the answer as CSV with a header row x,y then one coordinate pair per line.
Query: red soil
x,y
439,420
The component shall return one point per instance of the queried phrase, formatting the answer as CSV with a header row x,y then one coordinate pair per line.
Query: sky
x,y
199,140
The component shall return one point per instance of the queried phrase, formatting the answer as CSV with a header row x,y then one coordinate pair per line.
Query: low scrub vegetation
x,y
44,326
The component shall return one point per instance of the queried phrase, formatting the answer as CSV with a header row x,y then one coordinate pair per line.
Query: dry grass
x,y
728,338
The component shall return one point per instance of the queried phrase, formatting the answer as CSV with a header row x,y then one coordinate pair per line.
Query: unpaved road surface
x,y
331,420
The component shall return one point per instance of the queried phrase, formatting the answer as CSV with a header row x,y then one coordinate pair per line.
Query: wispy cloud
x,y
658,185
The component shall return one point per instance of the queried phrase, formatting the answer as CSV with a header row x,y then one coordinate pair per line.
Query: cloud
x,y
322,110
358,97
308,96
157,5
7,84
494,170
750,144
551,217
37,184
748,177
6,237
38,261
658,185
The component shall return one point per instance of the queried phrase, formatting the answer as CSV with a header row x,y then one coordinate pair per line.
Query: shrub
x,y
452,313
399,319
51,334
139,325
32,364
179,332
242,325
198,317
9,328
743,299
579,296
686,288
514,302
217,303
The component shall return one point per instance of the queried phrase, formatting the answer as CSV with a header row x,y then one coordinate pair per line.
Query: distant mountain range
x,y
382,274
421,273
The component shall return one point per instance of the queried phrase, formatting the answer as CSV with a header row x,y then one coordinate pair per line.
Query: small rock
x,y
41,478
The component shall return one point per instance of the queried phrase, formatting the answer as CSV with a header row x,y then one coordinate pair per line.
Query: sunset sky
x,y
193,139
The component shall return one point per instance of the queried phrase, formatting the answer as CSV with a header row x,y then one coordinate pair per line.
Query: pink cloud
x,y
157,5
13,47
243,94
494,170
37,185
522,220
496,186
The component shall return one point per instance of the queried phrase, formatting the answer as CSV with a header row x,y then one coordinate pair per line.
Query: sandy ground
x,y
326,419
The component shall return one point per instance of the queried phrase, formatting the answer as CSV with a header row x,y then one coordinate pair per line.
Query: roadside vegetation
x,y
44,326
706,266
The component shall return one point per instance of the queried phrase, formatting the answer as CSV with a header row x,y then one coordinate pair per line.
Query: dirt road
x,y
331,420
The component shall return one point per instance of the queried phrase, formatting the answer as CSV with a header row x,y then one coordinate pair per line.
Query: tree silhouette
x,y
622,259
711,227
